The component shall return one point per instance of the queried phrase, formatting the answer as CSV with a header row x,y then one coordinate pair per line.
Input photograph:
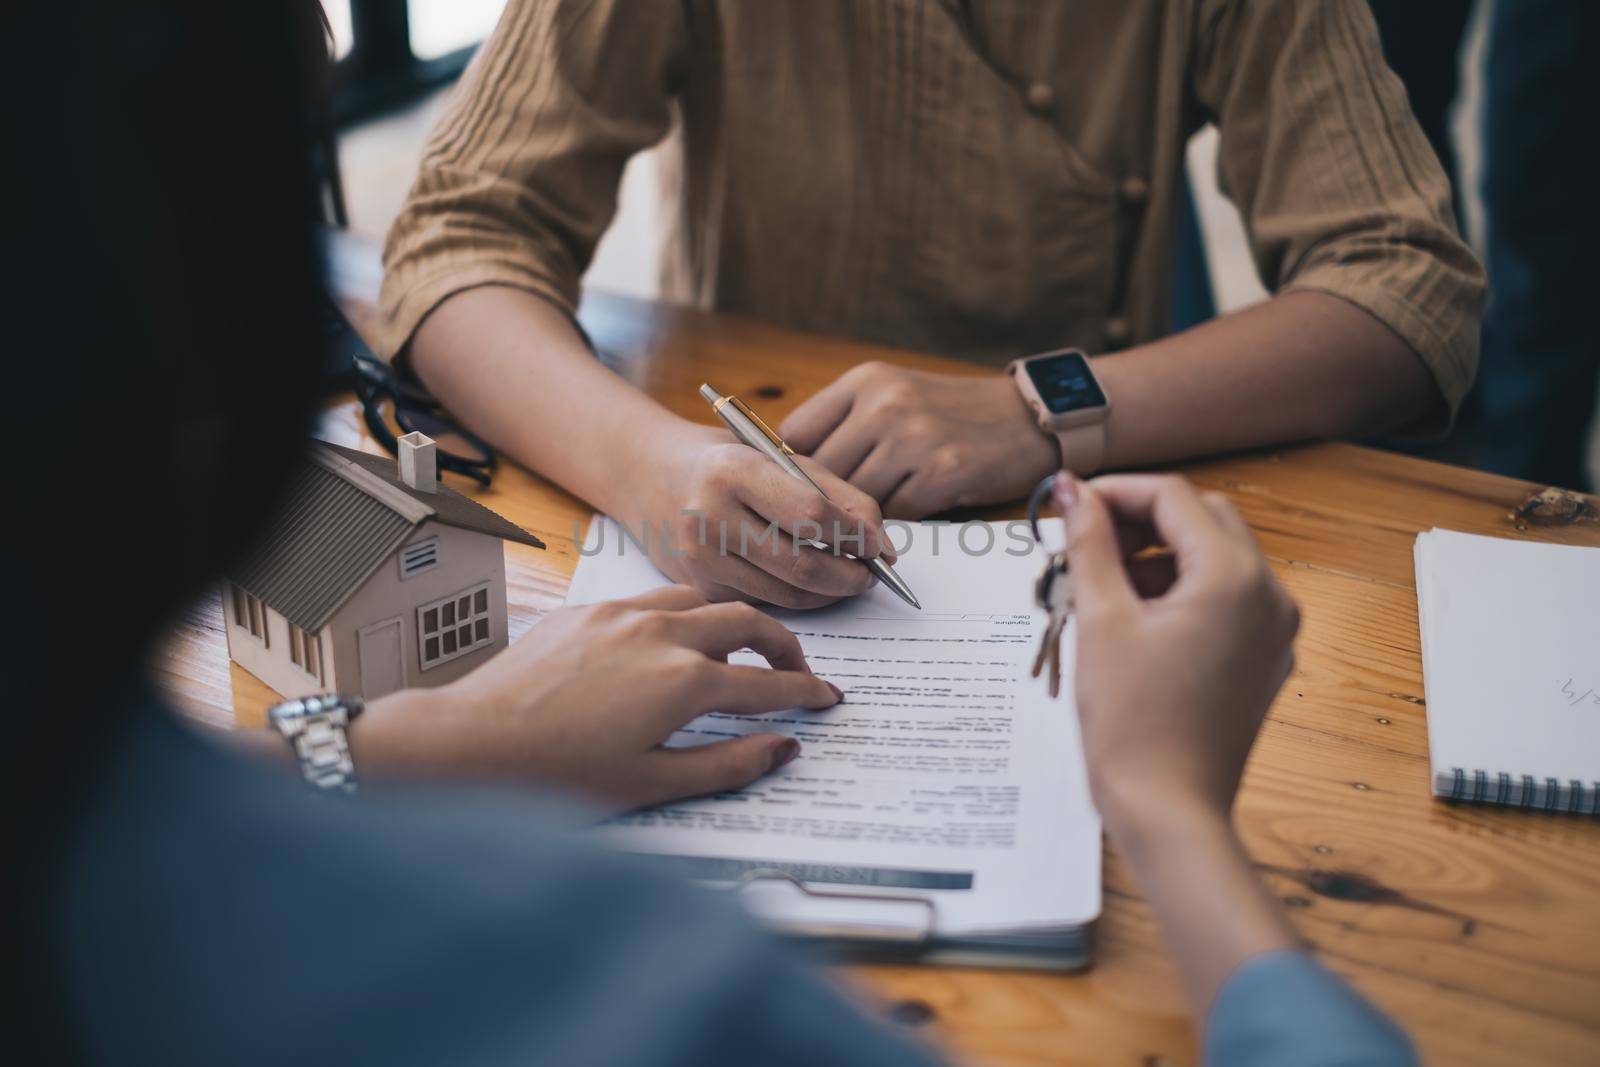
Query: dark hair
x,y
160,349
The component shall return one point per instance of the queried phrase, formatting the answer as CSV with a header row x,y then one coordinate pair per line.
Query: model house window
x,y
305,651
249,613
422,556
453,626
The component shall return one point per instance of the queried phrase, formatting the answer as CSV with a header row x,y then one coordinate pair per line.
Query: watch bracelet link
x,y
315,728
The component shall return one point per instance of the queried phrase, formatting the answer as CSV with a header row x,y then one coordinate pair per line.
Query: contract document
x,y
944,799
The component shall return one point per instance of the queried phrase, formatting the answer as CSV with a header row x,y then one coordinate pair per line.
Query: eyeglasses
x,y
387,397
390,400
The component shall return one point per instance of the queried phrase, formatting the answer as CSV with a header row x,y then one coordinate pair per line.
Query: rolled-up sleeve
x,y
1339,190
519,178
1283,1008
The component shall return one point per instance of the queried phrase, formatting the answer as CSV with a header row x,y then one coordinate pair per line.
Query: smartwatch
x,y
1068,402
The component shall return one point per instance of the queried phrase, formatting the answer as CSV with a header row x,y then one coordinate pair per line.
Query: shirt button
x,y
1134,190
1117,332
1041,98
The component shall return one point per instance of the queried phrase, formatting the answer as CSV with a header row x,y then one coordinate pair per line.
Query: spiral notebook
x,y
1511,662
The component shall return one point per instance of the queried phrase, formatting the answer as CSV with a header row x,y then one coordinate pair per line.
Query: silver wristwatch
x,y
315,727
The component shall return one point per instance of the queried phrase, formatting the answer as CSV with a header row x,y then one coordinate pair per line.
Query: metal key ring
x,y
1035,501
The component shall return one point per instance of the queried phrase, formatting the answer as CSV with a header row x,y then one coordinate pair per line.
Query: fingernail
x,y
784,752
838,694
1066,491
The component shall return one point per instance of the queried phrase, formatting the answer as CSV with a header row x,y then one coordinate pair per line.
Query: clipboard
x,y
914,938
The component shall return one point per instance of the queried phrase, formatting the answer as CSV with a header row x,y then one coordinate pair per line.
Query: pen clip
x,y
772,436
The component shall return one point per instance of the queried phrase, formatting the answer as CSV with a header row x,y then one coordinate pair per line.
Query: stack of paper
x,y
944,802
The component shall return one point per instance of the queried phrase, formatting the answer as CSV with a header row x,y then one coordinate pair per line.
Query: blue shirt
x,y
205,910
1285,1008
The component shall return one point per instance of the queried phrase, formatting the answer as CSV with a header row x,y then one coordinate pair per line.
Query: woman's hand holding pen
x,y
735,524
585,701
560,411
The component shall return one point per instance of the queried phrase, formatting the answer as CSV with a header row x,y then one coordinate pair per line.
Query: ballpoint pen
x,y
749,429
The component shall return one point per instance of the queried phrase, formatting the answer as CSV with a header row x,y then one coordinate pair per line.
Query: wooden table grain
x,y
1479,929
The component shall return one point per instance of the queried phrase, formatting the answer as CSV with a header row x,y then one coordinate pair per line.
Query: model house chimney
x,y
419,462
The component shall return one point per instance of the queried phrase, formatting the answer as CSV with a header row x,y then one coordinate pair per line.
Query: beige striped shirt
x,y
978,178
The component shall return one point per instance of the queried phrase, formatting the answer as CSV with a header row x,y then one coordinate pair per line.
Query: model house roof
x,y
346,513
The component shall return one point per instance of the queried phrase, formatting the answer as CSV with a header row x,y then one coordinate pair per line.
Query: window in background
x,y
392,51
439,27
339,18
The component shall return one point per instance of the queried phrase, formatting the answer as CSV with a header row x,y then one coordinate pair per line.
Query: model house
x,y
374,577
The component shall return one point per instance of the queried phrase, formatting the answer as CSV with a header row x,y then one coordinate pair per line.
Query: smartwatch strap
x,y
1083,447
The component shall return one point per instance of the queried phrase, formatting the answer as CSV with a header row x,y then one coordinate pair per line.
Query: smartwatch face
x,y
1064,383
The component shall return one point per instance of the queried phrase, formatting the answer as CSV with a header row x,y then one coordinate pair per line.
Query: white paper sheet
x,y
946,772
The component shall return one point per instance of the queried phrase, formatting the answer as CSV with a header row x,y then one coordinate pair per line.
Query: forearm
x,y
402,736
260,743
1301,366
514,368
1258,997
1214,912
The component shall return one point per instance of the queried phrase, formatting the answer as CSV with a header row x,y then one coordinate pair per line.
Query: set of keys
x,y
1052,591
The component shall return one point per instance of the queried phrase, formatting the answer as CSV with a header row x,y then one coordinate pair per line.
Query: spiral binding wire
x,y
1526,791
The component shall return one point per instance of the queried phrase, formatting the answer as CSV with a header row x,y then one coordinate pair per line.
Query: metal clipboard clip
x,y
901,938
857,941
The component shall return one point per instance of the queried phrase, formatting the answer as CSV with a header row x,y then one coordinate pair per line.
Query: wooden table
x,y
1479,929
